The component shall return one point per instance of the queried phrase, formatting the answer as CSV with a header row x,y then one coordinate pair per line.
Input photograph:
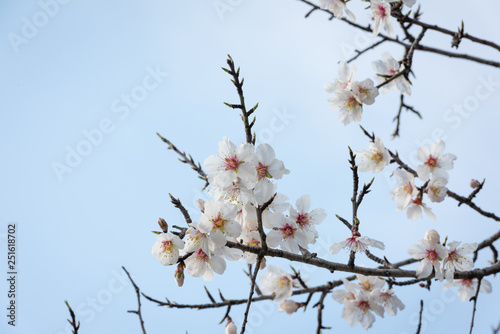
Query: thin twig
x,y
475,302
420,316
321,306
72,322
138,292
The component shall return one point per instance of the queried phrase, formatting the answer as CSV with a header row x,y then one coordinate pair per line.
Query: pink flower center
x,y
201,256
380,11
467,283
392,72
431,255
219,222
262,171
432,162
232,163
288,231
364,305
408,188
303,219
166,246
417,200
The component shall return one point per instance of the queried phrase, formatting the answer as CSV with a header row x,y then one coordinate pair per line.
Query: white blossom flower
x,y
356,243
200,264
391,302
361,310
344,296
267,165
346,77
387,67
436,189
348,104
306,220
277,283
166,248
429,254
375,158
365,91
370,283
415,209
456,259
435,162
288,306
337,7
381,16
287,235
235,192
251,238
405,190
195,239
218,220
231,162
467,287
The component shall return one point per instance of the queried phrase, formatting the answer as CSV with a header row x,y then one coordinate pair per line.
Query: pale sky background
x,y
76,230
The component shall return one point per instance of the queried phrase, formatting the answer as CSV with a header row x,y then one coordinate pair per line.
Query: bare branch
x,y
138,292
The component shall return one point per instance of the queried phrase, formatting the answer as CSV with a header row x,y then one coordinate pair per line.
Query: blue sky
x,y
113,73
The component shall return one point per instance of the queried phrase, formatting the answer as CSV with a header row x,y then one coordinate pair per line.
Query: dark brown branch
x,y
184,159
72,322
177,203
138,292
373,46
420,316
239,88
321,306
475,303
397,118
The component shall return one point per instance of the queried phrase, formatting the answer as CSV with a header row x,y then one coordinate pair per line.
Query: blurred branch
x,y
138,292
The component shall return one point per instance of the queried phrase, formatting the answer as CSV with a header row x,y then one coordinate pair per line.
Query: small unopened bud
x,y
288,306
262,264
163,225
422,285
432,236
179,274
474,183
230,326
200,203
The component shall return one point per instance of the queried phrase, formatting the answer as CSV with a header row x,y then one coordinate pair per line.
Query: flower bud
x,y
432,236
179,274
474,183
288,306
200,203
163,225
230,326
262,264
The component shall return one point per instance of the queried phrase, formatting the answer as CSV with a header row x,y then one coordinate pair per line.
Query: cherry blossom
x,y
337,7
386,68
434,161
390,302
277,283
218,220
346,77
432,236
467,287
429,253
381,16
456,259
405,190
374,158
416,207
436,189
305,219
361,310
231,162
195,239
356,243
287,235
166,248
201,264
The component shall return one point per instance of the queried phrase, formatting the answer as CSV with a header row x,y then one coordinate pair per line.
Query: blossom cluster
x,y
364,299
433,171
242,180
